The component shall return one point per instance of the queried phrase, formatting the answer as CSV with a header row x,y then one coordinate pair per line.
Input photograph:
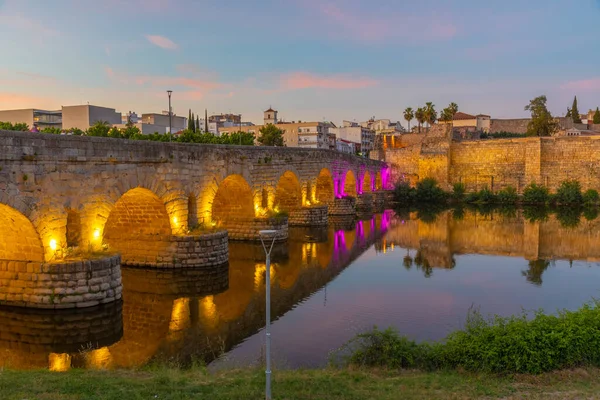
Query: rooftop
x,y
461,115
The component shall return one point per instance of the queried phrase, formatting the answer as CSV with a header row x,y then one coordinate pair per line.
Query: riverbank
x,y
331,384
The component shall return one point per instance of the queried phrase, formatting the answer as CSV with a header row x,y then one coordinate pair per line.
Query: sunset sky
x,y
310,59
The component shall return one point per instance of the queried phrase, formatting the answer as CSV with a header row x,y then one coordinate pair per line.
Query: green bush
x,y
590,213
536,194
591,197
536,214
472,197
508,195
569,192
428,191
518,344
403,193
568,217
486,196
458,191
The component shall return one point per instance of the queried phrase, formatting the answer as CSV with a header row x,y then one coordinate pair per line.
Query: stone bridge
x,y
64,198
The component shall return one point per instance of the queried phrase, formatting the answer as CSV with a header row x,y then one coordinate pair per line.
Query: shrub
x,y
508,195
590,213
568,217
518,344
403,193
458,191
535,194
472,197
591,197
569,192
486,196
533,214
428,191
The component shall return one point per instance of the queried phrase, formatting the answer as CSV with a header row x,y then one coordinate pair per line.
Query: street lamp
x,y
268,234
170,126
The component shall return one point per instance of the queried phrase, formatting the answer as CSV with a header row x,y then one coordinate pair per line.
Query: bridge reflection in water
x,y
189,314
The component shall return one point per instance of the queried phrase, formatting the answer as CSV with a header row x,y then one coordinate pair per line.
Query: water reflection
x,y
189,315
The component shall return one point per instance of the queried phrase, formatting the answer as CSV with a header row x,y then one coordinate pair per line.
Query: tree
x,y
596,119
446,115
190,120
197,124
409,114
542,123
569,114
453,108
270,135
430,114
193,125
575,112
115,133
205,120
100,128
420,116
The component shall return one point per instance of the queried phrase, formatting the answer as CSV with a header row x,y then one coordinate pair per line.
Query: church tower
x,y
270,116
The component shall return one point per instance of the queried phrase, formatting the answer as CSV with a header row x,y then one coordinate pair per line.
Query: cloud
x,y
162,42
583,85
367,26
305,80
13,101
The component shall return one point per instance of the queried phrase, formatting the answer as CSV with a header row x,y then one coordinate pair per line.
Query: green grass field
x,y
329,384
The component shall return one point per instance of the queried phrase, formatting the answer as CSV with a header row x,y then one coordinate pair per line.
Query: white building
x,y
345,146
353,132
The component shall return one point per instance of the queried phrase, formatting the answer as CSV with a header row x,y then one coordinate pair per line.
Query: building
x,y
576,132
84,116
480,122
33,117
346,146
295,134
362,136
384,126
270,116
155,122
132,117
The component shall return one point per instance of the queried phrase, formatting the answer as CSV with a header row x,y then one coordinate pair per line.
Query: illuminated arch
x,y
324,190
288,193
19,241
366,183
378,181
233,201
350,184
138,226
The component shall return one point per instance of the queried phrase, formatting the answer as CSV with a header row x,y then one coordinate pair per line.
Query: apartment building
x,y
313,135
356,133
33,117
155,122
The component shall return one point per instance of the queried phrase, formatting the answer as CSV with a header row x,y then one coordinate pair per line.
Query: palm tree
x,y
430,113
453,107
420,116
409,114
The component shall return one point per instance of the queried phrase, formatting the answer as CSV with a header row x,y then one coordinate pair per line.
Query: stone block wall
x,y
309,216
518,125
69,284
496,164
342,206
364,202
192,251
248,229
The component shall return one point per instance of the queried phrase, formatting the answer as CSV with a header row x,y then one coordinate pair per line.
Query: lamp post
x,y
268,234
240,129
170,126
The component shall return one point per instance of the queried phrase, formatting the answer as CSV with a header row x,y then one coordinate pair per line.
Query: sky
x,y
309,59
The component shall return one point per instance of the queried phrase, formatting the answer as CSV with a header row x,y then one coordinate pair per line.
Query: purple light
x,y
385,175
361,230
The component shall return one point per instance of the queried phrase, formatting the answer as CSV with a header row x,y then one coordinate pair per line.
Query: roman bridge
x,y
64,200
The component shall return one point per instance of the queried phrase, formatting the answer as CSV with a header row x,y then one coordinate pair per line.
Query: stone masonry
x,y
68,284
309,216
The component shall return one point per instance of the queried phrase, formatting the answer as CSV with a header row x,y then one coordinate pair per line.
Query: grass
x,y
331,384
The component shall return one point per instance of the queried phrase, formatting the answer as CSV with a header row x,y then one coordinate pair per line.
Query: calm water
x,y
420,275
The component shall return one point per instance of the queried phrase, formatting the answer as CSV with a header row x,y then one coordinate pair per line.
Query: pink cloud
x,y
162,42
367,26
583,85
305,80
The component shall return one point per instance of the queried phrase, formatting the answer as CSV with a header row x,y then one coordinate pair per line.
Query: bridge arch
x,y
367,183
378,181
233,201
324,189
138,226
350,184
19,240
288,192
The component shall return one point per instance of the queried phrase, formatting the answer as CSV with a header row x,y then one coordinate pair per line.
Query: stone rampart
x,y
496,164
68,284
518,125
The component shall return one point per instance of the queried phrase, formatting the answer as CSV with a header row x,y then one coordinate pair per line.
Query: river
x,y
418,272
